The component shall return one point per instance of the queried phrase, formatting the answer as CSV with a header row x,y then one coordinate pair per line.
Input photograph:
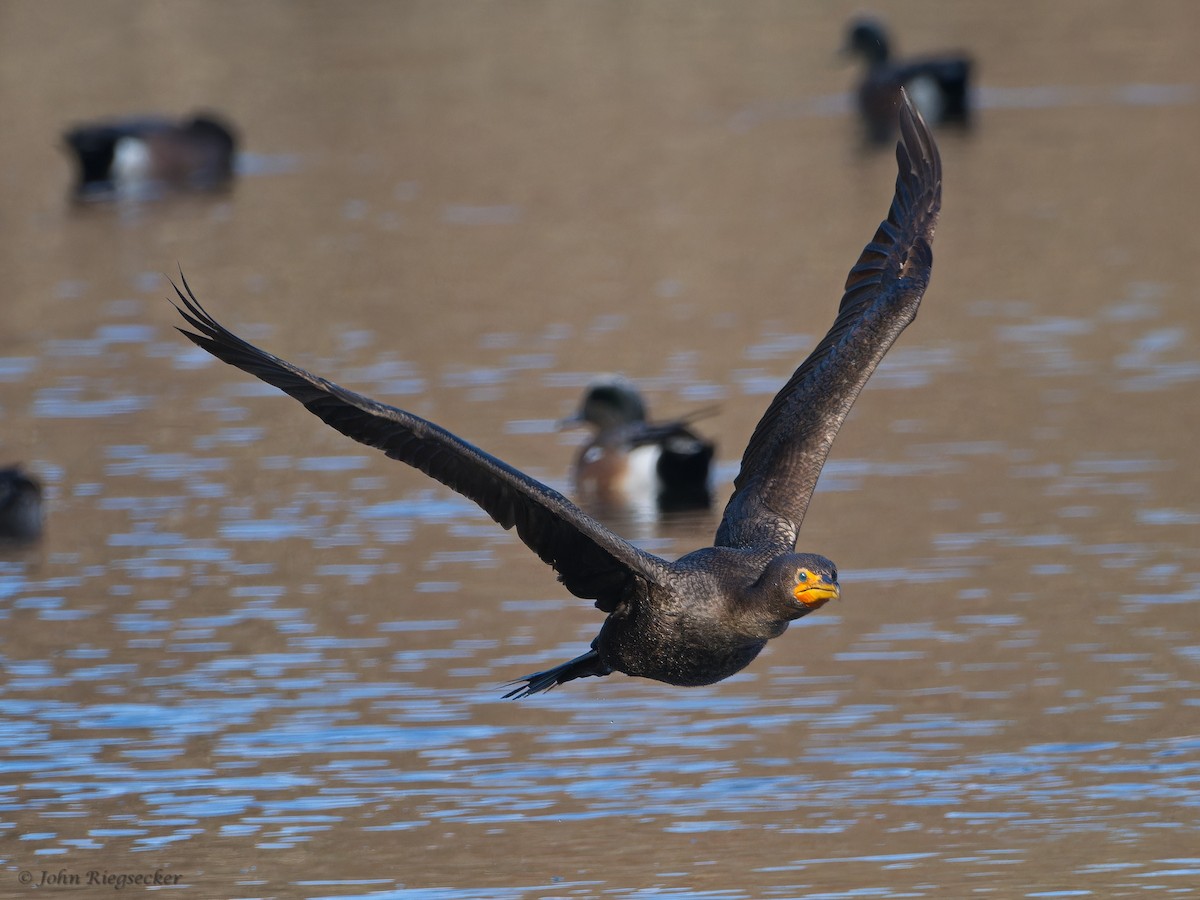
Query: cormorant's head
x,y
796,584
814,581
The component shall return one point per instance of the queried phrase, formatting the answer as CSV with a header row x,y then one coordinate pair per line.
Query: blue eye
x,y
802,575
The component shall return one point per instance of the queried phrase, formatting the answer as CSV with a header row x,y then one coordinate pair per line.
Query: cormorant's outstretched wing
x,y
789,445
591,561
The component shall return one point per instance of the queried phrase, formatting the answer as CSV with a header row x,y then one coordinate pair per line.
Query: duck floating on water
x,y
630,460
21,513
142,158
939,85
705,616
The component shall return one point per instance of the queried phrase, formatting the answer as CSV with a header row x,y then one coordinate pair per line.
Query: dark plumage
x,y
142,157
706,615
939,85
20,505
630,461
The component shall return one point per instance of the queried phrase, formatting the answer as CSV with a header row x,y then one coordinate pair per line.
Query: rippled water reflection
x,y
257,656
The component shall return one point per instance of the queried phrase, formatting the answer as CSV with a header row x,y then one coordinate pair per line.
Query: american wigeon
x,y
939,85
142,157
630,460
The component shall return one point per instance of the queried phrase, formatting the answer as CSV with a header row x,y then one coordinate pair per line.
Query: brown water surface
x,y
257,656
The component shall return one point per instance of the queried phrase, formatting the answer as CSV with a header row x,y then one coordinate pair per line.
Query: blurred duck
x,y
143,157
938,85
20,505
629,460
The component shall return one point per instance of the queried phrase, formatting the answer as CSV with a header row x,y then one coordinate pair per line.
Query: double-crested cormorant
x,y
706,615
939,85
630,460
140,157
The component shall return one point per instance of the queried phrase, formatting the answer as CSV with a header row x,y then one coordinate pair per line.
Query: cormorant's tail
x,y
579,667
